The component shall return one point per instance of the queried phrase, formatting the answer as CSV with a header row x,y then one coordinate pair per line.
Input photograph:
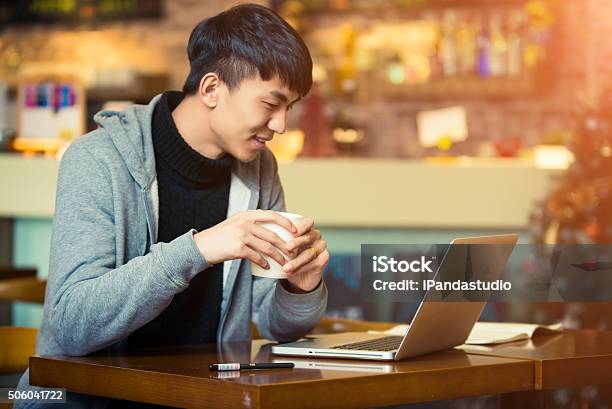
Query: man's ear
x,y
209,89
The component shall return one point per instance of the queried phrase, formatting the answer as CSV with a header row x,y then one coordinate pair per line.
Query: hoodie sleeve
x,y
93,302
279,314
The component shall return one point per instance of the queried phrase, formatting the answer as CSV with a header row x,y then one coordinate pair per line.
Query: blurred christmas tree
x,y
579,208
579,211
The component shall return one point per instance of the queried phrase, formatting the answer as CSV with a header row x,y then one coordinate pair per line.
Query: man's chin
x,y
246,156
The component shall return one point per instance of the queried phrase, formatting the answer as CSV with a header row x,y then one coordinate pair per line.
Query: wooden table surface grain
x,y
7,273
180,377
571,358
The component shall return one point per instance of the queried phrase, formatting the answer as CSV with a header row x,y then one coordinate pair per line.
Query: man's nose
x,y
278,122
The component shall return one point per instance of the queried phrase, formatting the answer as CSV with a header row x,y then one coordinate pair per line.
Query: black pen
x,y
237,367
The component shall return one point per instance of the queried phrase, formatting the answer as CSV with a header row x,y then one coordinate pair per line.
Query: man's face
x,y
248,116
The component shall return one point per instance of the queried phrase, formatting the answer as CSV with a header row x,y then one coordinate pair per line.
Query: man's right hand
x,y
240,237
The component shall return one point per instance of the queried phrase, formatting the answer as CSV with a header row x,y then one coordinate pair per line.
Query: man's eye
x,y
271,107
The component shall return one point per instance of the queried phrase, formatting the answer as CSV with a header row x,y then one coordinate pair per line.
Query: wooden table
x,y
180,377
7,277
569,359
10,273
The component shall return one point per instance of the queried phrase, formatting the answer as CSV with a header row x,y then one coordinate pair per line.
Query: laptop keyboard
x,y
389,343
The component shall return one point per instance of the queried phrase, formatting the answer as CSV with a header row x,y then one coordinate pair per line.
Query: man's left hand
x,y
305,271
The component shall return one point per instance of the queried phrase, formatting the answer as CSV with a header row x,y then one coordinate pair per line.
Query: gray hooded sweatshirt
x,y
107,279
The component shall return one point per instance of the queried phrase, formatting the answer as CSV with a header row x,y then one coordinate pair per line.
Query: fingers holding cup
x,y
273,222
310,275
307,256
303,241
304,225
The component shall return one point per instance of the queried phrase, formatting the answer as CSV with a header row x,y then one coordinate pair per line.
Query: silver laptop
x,y
435,326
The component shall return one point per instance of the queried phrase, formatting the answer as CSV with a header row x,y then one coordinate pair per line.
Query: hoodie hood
x,y
130,132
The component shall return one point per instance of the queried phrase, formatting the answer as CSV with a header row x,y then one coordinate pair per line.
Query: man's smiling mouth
x,y
262,139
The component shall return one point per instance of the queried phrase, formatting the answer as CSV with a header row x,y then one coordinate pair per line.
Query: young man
x,y
156,210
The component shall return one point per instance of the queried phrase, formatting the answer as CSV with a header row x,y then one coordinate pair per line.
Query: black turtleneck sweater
x,y
193,194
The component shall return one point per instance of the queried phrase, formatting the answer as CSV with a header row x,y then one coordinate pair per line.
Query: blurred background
x,y
428,120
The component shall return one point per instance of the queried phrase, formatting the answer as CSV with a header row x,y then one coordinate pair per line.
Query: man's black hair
x,y
243,41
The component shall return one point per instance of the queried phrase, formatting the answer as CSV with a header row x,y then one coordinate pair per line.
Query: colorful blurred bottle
x,y
484,48
515,44
466,45
499,48
448,47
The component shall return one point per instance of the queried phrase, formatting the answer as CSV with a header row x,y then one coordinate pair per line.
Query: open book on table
x,y
487,333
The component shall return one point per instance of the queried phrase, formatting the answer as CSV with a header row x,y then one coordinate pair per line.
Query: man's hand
x,y
304,272
240,237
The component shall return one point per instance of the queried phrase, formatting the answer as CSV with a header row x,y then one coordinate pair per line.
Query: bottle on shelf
x,y
436,62
515,44
483,67
466,45
448,49
499,48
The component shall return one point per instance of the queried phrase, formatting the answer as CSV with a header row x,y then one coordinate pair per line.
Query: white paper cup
x,y
276,270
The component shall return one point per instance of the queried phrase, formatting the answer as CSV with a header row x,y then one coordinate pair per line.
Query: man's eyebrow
x,y
282,97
